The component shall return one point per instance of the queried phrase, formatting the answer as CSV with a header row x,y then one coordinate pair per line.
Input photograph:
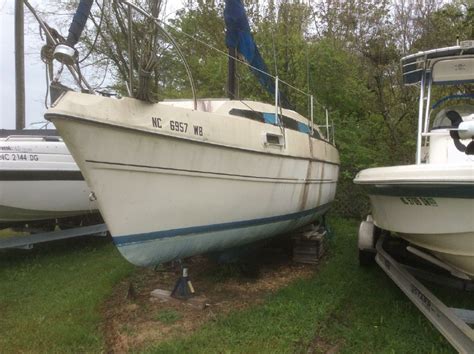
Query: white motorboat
x,y
431,203
184,177
40,183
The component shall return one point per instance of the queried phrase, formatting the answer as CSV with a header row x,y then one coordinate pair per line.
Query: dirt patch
x,y
135,323
321,345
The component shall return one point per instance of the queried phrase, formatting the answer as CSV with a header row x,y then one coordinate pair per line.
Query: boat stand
x,y
183,288
309,246
27,242
452,323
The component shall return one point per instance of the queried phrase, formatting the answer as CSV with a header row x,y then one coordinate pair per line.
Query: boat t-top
x,y
430,204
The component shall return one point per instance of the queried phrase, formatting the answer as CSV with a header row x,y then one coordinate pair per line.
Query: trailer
x,y
452,323
28,241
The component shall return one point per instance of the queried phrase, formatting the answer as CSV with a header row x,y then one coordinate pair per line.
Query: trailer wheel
x,y
366,242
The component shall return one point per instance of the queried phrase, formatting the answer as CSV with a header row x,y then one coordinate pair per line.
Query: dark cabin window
x,y
288,122
254,115
316,134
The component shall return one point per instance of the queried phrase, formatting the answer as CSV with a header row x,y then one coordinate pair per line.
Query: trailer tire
x,y
366,241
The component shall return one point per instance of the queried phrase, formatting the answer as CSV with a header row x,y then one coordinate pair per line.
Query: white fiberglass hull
x,y
167,195
431,206
39,180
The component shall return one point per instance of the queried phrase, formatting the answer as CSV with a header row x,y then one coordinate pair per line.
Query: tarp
x,y
238,36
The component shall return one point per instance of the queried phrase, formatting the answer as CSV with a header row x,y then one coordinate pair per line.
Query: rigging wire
x,y
237,59
98,30
79,73
47,86
308,81
197,40
46,68
105,75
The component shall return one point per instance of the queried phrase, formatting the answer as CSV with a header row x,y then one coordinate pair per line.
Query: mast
x,y
231,82
19,65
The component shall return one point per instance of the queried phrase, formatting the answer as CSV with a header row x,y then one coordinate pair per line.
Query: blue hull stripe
x,y
195,230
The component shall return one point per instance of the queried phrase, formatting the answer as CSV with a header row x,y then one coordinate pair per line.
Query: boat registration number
x,y
177,126
423,201
19,157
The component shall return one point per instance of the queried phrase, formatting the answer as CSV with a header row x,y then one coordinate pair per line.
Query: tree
x,y
345,53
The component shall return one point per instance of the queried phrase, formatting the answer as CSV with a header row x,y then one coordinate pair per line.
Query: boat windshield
x,y
441,121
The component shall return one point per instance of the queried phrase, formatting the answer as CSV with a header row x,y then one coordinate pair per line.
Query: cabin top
x,y
225,106
258,111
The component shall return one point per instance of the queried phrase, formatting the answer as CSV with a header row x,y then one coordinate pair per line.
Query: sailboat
x,y
184,177
430,204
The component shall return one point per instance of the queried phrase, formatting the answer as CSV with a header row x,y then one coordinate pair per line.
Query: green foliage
x,y
209,69
337,82
455,19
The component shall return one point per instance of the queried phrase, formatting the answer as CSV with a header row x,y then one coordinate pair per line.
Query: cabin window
x,y
316,135
290,123
246,113
269,118
273,139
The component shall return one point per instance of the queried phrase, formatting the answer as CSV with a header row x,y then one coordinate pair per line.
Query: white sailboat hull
x,y
431,206
166,195
39,180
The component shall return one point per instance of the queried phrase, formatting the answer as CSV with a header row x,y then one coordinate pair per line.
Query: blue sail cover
x,y
238,36
79,22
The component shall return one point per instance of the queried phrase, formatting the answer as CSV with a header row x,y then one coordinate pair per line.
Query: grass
x,y
8,233
168,316
354,309
50,301
50,296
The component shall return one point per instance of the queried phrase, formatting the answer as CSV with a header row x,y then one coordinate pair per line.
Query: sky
x,y
34,70
35,82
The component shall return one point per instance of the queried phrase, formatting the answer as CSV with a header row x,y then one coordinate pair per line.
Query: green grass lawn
x,y
354,309
50,301
8,233
50,296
